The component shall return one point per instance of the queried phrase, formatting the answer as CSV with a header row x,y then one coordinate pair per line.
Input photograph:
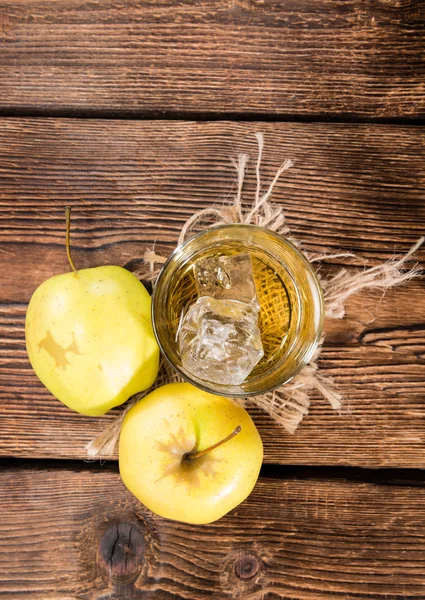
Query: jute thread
x,y
291,402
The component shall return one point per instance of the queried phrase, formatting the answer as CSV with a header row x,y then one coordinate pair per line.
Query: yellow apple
x,y
189,455
89,337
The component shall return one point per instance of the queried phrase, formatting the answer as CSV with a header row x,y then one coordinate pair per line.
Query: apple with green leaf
x,y
189,455
89,336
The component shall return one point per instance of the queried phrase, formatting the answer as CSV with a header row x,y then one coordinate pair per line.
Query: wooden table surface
x,y
131,112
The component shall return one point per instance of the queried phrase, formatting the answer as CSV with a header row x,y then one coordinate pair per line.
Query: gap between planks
x,y
192,116
383,476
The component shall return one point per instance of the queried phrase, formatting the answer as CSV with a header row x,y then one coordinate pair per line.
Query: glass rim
x,y
206,386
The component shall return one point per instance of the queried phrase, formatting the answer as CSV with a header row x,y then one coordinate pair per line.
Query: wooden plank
x,y
68,534
356,187
352,59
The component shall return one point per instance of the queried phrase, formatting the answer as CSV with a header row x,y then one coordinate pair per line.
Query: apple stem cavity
x,y
194,455
68,237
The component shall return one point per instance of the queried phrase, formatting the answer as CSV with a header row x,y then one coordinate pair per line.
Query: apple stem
x,y
68,237
193,455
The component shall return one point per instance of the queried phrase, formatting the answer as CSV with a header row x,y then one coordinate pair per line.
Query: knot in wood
x,y
247,566
122,548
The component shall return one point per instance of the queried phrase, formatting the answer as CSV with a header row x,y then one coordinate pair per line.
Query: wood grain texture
x,y
322,58
69,534
356,187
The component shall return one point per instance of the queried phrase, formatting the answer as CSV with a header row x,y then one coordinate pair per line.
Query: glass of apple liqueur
x,y
237,310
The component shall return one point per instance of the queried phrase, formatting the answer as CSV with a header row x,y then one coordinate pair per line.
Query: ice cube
x,y
227,278
219,340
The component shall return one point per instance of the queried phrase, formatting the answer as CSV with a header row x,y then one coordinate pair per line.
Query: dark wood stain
x,y
353,187
348,59
69,530
66,534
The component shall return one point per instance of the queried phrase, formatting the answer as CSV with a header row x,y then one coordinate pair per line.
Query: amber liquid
x,y
274,290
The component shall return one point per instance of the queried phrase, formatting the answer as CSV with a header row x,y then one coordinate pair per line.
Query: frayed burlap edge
x,y
290,403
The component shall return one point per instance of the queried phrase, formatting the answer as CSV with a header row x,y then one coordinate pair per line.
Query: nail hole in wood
x,y
247,566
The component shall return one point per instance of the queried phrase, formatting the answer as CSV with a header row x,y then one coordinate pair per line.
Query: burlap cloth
x,y
288,404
